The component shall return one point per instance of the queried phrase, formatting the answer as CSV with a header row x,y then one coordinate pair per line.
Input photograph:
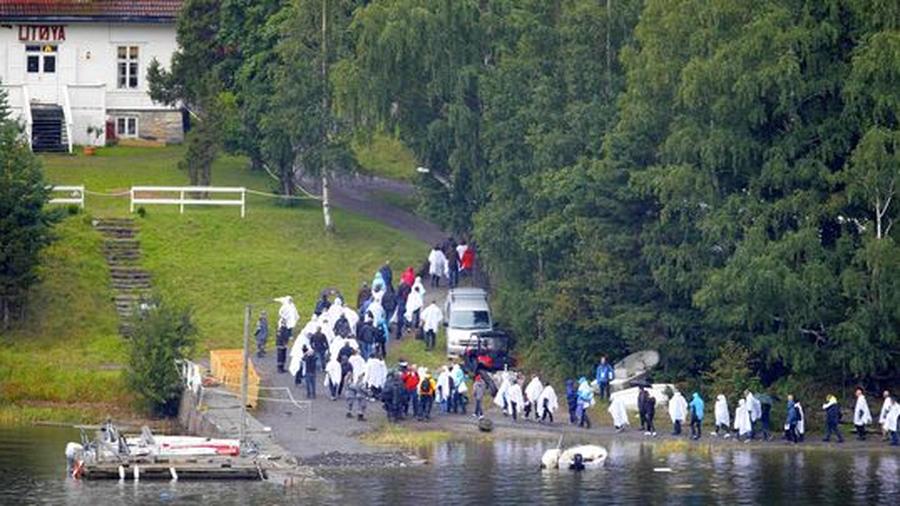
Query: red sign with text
x,y
42,33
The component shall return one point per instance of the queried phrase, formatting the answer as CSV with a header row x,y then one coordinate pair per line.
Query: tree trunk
x,y
326,133
326,205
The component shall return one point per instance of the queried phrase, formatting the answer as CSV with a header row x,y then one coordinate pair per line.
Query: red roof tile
x,y
84,10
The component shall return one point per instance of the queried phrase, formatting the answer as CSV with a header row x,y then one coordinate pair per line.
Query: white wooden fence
x,y
184,196
76,195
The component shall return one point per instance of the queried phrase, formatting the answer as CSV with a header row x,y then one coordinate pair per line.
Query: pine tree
x,y
25,223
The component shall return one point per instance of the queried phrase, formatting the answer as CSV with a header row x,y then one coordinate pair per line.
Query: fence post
x,y
181,198
131,192
243,200
82,194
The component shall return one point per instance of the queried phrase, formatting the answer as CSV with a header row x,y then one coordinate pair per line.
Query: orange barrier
x,y
226,366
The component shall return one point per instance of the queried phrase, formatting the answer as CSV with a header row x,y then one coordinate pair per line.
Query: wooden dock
x,y
174,470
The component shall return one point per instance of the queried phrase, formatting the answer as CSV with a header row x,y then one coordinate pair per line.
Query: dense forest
x,y
715,179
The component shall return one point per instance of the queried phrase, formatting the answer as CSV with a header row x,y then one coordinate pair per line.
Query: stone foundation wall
x,y
162,126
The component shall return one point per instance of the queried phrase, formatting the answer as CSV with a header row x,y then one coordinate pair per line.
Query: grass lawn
x,y
210,258
385,156
62,364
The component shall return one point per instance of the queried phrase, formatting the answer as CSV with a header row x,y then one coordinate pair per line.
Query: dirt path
x,y
335,439
333,431
358,194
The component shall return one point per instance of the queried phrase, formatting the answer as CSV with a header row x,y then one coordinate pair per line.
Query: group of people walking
x,y
413,392
348,345
752,415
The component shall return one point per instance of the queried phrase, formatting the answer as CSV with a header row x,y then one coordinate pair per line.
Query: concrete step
x,y
118,233
121,243
128,271
131,285
114,221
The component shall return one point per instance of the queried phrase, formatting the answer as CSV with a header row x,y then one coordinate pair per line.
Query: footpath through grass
x,y
67,353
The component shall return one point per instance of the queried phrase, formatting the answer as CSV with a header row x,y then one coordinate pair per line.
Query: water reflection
x,y
501,472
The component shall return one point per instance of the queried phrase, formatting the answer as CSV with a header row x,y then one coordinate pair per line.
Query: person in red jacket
x,y
410,378
467,262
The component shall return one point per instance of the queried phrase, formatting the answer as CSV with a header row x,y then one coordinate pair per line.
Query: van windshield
x,y
470,320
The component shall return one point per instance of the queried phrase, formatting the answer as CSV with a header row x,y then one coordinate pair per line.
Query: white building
x,y
73,65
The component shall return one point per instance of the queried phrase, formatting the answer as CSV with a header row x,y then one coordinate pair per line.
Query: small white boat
x,y
575,458
111,444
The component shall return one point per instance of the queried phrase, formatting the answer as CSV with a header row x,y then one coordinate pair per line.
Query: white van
x,y
466,312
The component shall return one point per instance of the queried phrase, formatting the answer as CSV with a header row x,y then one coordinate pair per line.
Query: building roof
x,y
133,11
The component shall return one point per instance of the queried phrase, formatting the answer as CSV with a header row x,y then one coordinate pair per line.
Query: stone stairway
x,y
130,283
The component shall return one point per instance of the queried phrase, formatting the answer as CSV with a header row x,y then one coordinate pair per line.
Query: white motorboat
x,y
575,458
111,444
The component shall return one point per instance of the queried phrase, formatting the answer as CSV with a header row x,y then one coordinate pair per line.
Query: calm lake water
x,y
32,471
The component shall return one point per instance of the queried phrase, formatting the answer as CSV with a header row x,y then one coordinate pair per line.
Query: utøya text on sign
x,y
42,33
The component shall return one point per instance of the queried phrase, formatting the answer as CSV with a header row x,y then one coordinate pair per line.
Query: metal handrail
x,y
67,116
26,114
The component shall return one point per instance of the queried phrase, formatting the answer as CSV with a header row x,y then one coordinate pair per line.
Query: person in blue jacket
x,y
790,422
605,374
696,409
832,419
571,400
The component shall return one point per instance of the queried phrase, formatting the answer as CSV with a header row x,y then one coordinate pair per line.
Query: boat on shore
x,y
111,454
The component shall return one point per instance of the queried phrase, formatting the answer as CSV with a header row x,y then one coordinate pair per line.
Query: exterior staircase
x,y
130,283
48,129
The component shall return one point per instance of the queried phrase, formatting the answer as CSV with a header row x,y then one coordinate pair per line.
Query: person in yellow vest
x,y
426,396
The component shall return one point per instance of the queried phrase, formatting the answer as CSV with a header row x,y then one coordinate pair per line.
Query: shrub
x,y
162,333
731,372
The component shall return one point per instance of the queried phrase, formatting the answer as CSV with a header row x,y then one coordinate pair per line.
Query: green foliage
x,y
163,334
194,82
25,223
658,174
731,373
64,363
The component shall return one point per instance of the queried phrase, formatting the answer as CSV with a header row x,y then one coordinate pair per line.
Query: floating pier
x,y
174,470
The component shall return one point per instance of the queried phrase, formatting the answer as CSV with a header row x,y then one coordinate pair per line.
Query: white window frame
x,y
123,134
41,56
128,60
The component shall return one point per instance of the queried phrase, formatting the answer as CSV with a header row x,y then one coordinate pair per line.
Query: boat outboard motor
x,y
577,463
74,451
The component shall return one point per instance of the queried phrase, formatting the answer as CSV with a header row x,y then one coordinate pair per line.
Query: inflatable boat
x,y
575,458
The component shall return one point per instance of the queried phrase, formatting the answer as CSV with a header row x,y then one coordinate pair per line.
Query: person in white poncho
x,y
287,320
376,374
442,394
742,421
437,265
333,377
515,399
414,303
432,316
892,422
548,403
861,415
882,417
358,364
619,413
723,418
532,392
754,409
677,411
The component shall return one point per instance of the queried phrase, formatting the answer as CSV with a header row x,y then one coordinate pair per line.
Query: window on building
x,y
127,65
126,127
49,64
40,59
